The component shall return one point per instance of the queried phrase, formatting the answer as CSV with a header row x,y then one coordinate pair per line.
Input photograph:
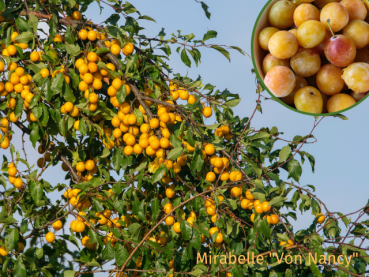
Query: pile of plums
x,y
318,56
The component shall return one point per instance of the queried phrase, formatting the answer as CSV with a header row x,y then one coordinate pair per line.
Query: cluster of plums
x,y
318,56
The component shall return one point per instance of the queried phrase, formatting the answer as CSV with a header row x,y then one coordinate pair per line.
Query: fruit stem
x,y
330,28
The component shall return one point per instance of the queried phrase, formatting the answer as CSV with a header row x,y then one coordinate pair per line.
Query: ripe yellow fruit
x,y
12,50
3,252
154,123
44,72
18,182
91,35
249,195
209,149
320,217
177,227
90,165
207,112
35,56
79,227
57,225
128,49
76,15
115,49
83,34
210,176
50,237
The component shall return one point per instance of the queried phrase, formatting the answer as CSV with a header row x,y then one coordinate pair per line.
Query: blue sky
x,y
341,148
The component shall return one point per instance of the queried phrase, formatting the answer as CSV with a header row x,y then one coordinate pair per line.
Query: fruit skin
x,y
306,62
356,77
280,80
283,45
358,96
50,237
339,102
358,31
300,83
177,227
305,12
320,217
270,61
309,100
329,79
265,36
340,50
310,34
355,8
337,14
281,14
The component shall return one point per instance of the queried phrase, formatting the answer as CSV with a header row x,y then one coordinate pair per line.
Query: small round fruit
x,y
169,220
305,12
207,112
280,80
337,14
265,36
18,183
177,227
210,176
309,100
266,207
321,3
209,149
274,219
300,83
281,14
90,165
339,102
356,77
57,225
310,34
283,45
50,237
329,79
219,238
340,50
320,217
258,209
358,31
306,62
270,61
252,218
355,8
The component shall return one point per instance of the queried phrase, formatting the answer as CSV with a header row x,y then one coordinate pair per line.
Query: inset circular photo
x,y
313,56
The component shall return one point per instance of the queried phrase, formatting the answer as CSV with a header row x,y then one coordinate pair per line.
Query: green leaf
x,y
232,103
238,49
57,84
68,273
24,37
24,227
197,161
158,175
315,270
185,58
39,253
35,134
284,153
22,24
209,35
175,141
186,230
117,159
3,181
277,201
33,22
294,170
155,208
206,9
108,252
11,239
223,51
2,6
19,269
121,254
340,116
146,17
121,94
36,190
175,153
72,49
68,93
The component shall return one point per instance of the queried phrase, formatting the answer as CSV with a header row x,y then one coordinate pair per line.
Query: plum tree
x,y
148,185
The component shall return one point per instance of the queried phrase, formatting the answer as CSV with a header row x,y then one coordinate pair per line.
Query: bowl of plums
x,y
312,56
